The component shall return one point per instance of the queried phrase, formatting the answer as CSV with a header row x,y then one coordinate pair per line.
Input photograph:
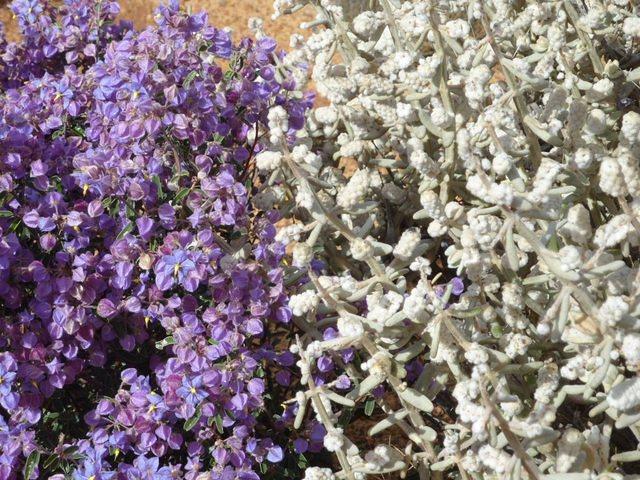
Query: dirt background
x,y
222,13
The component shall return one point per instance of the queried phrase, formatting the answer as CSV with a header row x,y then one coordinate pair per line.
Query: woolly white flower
x,y
302,254
361,249
350,327
377,458
578,226
476,355
457,28
268,160
626,395
303,302
407,244
333,440
614,310
379,365
317,473
631,350
631,26
355,190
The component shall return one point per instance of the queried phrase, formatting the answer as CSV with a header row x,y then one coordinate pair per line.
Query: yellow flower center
x,y
192,390
176,269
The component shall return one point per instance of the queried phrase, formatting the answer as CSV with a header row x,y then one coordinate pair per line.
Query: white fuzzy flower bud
x,y
303,302
379,365
317,473
614,310
361,249
377,458
611,177
354,191
502,163
406,246
631,350
578,226
302,254
350,327
268,160
631,26
333,440
626,395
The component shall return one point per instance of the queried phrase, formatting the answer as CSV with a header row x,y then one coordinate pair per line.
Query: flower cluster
x,y
137,275
471,188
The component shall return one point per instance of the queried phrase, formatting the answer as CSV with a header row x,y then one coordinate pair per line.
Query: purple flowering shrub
x,y
137,279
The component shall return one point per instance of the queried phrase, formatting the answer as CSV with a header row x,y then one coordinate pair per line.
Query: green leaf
x,y
368,407
181,194
156,180
189,424
189,79
31,464
78,130
14,225
58,133
52,462
219,426
126,230
165,342
213,341
6,213
263,468
496,330
131,211
115,208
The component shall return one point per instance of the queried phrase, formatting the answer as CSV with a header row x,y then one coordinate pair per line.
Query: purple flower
x,y
176,268
6,379
191,390
148,469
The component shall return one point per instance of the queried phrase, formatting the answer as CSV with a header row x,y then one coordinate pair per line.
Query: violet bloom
x,y
6,379
91,469
191,390
148,469
176,268
458,285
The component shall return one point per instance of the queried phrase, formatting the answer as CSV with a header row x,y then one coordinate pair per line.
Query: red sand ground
x,y
222,13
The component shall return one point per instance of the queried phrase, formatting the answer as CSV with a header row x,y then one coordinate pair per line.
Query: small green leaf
x,y
165,342
213,342
219,426
32,462
263,468
78,130
368,407
496,330
189,424
52,462
181,195
156,180
126,230
189,79
131,211
6,213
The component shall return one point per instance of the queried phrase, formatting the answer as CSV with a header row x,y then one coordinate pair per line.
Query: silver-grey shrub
x,y
498,141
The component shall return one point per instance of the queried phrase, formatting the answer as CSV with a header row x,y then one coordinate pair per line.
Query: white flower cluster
x,y
475,168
